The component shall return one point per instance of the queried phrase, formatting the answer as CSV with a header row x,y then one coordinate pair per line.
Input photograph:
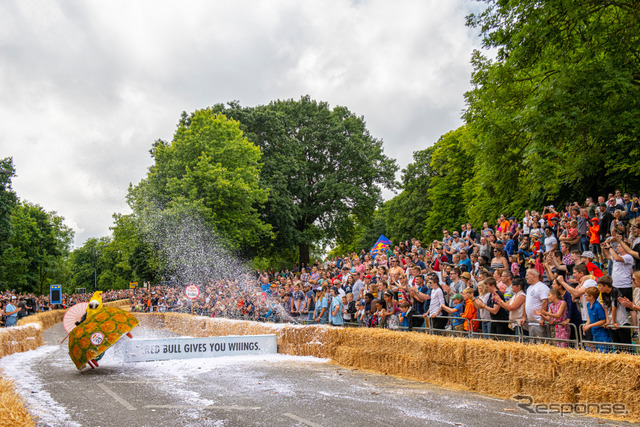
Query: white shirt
x,y
526,229
437,299
589,283
535,295
622,271
549,242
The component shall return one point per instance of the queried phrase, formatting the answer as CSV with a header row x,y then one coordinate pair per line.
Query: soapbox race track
x,y
269,390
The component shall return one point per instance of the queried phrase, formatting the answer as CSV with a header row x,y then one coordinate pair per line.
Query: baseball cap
x,y
368,276
457,296
587,254
466,275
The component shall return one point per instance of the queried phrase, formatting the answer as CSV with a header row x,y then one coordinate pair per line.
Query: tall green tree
x,y
556,107
87,264
407,212
39,244
452,168
321,165
8,200
211,169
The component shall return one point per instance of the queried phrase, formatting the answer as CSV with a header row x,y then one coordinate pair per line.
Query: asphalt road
x,y
274,390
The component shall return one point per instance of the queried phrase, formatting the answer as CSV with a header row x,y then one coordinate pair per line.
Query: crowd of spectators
x,y
527,276
561,273
14,306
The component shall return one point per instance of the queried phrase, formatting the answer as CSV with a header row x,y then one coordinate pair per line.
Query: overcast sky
x,y
87,86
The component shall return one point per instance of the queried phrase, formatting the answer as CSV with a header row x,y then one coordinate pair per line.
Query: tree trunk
x,y
303,254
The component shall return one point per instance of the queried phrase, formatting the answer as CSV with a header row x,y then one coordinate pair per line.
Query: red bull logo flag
x,y
382,244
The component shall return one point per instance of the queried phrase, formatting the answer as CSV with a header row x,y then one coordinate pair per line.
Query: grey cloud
x,y
86,87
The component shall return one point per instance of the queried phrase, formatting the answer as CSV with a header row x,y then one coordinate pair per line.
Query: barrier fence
x,y
519,334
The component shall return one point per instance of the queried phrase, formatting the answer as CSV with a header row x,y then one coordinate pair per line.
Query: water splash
x,y
191,252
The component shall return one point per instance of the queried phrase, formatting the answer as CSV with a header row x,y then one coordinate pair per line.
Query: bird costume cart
x,y
93,335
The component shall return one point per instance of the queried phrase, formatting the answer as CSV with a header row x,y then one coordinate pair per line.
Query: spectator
x,y
480,302
309,302
457,322
557,315
336,308
537,299
515,306
11,312
499,260
550,242
470,312
435,307
622,268
597,319
499,316
321,315
615,312
405,316
465,261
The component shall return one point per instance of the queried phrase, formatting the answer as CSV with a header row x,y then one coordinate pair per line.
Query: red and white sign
x,y
97,338
192,292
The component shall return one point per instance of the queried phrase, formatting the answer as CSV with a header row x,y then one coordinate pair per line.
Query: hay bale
x,y
17,339
12,408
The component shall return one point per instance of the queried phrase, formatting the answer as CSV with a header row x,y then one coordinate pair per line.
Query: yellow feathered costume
x,y
102,328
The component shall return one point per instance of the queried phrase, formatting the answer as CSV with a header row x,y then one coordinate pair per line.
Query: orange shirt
x,y
470,312
594,234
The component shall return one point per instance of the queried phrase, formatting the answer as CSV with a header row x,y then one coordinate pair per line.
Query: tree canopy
x,y
322,166
556,112
211,169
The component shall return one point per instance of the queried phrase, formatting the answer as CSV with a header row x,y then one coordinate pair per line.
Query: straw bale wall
x,y
20,338
12,409
503,369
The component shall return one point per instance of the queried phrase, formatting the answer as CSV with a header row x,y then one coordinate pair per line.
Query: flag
x,y
382,243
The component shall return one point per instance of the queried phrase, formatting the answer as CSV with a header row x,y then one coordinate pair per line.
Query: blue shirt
x,y
324,302
458,315
510,247
596,313
404,320
466,262
337,318
9,308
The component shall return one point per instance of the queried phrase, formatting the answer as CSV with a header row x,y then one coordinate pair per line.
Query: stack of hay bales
x,y
20,338
12,408
46,319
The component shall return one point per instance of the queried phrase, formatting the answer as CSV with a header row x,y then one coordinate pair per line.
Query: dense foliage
x,y
34,243
322,166
553,116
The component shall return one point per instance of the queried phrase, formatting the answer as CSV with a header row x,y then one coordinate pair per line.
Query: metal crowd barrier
x,y
489,335
575,343
578,343
611,347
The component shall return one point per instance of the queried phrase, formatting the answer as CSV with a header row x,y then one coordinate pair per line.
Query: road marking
x,y
116,397
301,420
224,408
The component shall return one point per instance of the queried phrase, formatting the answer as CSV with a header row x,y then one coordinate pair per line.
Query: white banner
x,y
190,348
